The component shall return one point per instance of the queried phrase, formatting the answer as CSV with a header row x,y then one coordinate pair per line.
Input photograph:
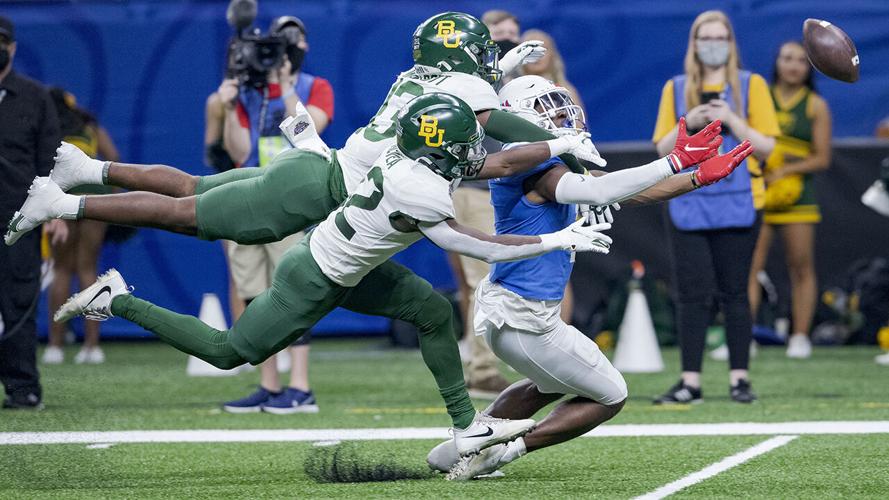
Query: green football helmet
x,y
454,41
441,132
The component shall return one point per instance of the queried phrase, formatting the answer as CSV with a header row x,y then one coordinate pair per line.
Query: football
x,y
830,50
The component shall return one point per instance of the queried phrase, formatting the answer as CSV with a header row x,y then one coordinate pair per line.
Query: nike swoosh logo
x,y
14,223
489,433
105,289
689,148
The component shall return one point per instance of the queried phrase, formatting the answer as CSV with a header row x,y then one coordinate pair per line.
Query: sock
x,y
459,405
514,450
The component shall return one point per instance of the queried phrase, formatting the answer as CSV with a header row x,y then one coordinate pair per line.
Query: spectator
x,y
29,136
251,138
802,149
713,230
79,254
551,66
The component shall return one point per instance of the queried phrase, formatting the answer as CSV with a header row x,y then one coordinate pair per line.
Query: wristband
x,y
553,241
558,146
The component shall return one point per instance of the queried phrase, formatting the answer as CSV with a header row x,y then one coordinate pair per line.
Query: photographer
x,y
251,106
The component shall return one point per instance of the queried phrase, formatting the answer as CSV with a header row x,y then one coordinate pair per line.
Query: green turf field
x,y
360,384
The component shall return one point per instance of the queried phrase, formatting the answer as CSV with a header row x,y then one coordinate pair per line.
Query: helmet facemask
x,y
470,155
488,61
558,105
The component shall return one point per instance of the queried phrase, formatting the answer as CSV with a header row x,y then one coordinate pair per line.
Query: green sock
x,y
186,333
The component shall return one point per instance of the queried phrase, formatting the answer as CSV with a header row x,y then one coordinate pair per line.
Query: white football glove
x,y
587,151
580,238
525,53
598,215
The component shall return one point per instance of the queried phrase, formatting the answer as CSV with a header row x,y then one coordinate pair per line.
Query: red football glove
x,y
692,150
719,167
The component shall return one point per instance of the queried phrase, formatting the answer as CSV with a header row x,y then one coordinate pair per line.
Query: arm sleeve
x,y
666,113
612,187
321,96
506,127
49,138
761,109
448,238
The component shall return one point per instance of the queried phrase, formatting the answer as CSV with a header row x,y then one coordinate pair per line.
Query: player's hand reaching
x,y
525,53
720,167
691,150
580,238
598,214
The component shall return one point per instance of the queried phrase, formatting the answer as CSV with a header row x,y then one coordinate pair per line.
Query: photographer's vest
x,y
729,202
265,114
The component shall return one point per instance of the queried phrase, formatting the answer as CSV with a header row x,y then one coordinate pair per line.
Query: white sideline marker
x,y
313,435
721,466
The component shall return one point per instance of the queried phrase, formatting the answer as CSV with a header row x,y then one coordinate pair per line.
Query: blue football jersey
x,y
543,277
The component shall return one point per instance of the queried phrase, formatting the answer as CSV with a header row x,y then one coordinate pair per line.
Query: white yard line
x,y
721,466
283,435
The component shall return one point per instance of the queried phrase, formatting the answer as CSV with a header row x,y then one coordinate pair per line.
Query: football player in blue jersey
x,y
518,305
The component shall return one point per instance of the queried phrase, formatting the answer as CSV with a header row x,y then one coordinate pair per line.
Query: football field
x,y
137,427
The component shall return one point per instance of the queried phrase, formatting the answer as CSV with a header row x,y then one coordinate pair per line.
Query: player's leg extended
x,y
562,361
297,190
300,295
394,291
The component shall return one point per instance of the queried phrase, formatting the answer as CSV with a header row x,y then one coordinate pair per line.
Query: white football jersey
x,y
366,144
370,226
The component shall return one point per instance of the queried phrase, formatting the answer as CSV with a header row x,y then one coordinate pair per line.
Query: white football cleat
x,y
443,457
74,168
484,463
799,346
46,201
882,359
95,301
486,431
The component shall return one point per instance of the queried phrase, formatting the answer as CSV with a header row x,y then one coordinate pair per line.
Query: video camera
x,y
252,54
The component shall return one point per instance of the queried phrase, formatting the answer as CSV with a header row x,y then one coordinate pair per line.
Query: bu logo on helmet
x,y
429,129
446,30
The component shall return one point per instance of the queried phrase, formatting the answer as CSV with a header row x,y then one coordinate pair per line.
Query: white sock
x,y
514,450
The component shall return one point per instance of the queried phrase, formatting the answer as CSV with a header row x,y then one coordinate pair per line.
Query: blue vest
x,y
266,114
539,278
729,202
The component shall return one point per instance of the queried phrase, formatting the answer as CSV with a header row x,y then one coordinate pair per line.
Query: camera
x,y
252,54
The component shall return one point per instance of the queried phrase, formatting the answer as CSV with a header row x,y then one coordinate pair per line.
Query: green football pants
x,y
299,297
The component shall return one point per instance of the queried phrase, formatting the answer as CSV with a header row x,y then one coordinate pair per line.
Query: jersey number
x,y
363,202
382,126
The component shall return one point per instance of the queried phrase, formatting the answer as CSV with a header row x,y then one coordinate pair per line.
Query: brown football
x,y
830,50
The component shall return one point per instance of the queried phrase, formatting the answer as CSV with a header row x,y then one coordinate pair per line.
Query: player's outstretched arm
x,y
453,237
527,156
508,128
711,171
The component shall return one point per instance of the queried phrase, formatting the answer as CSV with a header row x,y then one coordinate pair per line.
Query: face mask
x,y
4,58
713,53
506,46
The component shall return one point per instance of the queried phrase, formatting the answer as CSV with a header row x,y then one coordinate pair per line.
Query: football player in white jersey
x,y
405,197
518,305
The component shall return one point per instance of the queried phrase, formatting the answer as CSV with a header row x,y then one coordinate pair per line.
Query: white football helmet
x,y
541,102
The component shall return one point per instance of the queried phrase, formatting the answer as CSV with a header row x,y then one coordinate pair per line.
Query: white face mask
x,y
713,53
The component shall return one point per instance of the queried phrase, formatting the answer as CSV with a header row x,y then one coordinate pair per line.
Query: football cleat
x,y
95,301
74,168
43,204
443,457
799,346
486,431
481,464
741,392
